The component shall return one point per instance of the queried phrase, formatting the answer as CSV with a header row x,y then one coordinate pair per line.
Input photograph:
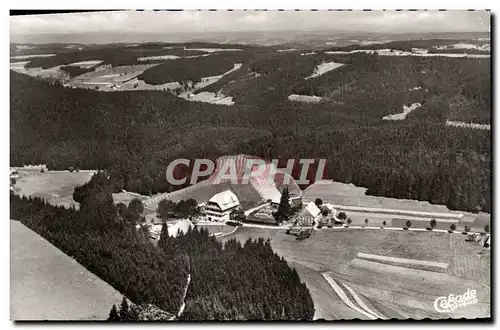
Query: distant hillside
x,y
137,134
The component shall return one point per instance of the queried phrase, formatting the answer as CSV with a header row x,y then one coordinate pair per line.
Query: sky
x,y
218,21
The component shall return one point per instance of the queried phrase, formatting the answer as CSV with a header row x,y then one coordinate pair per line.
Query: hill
x,y
136,134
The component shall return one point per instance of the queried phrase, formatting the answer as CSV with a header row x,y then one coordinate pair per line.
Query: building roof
x,y
226,200
312,209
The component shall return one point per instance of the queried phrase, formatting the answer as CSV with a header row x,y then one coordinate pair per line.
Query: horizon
x,y
137,26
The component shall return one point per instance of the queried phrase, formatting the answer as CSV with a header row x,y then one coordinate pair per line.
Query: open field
x,y
44,281
350,195
327,304
106,76
468,125
305,98
414,290
55,187
126,197
334,251
217,229
324,68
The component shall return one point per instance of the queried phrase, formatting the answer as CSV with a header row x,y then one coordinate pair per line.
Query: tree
x,y
324,212
165,208
121,209
433,223
408,224
237,215
487,229
366,221
125,314
384,223
113,315
453,227
349,221
283,212
318,202
466,229
135,206
342,216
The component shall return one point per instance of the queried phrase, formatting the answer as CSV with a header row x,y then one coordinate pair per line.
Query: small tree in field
x,y
342,216
318,202
487,229
466,230
408,225
433,223
383,224
366,222
452,228
349,221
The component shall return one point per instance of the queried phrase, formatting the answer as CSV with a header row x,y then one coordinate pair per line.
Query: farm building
x,y
308,215
220,206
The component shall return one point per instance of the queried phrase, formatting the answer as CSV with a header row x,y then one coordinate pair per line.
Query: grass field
x,y
214,229
350,195
55,187
43,280
334,250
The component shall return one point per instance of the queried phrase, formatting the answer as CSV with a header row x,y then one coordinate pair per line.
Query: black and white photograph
x,y
250,165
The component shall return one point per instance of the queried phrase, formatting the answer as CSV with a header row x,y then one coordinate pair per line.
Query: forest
x,y
227,282
190,69
233,281
115,54
135,135
407,45
109,247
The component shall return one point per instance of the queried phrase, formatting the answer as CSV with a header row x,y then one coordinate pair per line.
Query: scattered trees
x,y
408,225
466,230
165,208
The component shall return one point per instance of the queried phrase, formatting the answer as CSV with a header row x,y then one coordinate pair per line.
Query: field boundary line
x,y
362,303
338,290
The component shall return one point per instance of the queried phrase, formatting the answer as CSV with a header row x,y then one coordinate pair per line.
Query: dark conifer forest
x,y
135,135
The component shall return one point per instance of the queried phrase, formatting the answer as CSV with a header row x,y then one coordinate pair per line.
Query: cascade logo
x,y
451,302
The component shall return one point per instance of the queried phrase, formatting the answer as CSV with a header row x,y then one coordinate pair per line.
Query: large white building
x,y
220,206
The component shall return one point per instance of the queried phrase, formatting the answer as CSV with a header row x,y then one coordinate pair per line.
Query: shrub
x,y
466,230
487,229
